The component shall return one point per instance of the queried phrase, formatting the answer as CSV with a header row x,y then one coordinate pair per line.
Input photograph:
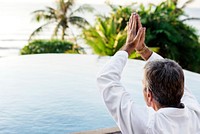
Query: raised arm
x,y
119,102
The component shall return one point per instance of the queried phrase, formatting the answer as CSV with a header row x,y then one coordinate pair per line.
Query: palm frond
x,y
60,15
82,9
79,21
38,11
39,15
188,19
56,29
102,27
186,3
47,14
39,29
51,10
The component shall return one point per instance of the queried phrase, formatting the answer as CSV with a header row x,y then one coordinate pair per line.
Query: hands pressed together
x,y
136,37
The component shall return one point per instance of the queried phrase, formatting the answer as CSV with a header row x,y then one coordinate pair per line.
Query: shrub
x,y
50,46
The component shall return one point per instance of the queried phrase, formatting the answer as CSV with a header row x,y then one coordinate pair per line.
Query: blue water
x,y
50,94
57,94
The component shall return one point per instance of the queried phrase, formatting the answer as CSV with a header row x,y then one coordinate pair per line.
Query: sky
x,y
19,11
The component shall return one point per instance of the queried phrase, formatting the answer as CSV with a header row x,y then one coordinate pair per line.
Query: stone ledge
x,y
114,130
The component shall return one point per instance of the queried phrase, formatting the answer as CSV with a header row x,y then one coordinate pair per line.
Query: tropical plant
x,y
105,38
60,17
109,33
122,14
50,46
166,32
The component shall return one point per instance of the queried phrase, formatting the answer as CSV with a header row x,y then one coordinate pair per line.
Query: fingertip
x,y
136,16
140,29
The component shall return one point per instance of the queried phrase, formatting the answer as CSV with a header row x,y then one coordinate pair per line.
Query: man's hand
x,y
135,38
141,45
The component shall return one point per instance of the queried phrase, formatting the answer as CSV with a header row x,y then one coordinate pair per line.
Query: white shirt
x,y
133,119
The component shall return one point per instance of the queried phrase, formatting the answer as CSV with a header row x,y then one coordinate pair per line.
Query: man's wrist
x,y
143,50
128,49
145,55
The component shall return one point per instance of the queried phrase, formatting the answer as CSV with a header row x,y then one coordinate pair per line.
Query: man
x,y
172,109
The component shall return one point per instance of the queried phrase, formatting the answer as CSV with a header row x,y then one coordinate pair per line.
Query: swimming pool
x,y
57,93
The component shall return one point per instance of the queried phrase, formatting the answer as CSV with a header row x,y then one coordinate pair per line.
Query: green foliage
x,y
109,33
105,38
122,14
166,33
50,46
166,30
60,17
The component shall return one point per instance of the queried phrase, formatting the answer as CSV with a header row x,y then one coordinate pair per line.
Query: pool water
x,y
57,93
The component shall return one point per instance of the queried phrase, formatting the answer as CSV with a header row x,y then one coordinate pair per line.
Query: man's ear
x,y
149,98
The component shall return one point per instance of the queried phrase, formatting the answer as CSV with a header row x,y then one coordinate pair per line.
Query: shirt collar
x,y
172,111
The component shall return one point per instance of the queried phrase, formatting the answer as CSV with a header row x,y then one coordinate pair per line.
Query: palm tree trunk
x,y
63,33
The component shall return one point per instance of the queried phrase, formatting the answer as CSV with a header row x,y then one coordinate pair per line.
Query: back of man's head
x,y
165,79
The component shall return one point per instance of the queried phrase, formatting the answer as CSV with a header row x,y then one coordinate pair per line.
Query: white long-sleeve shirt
x,y
133,119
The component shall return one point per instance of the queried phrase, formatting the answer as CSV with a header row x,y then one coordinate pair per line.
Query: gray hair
x,y
165,78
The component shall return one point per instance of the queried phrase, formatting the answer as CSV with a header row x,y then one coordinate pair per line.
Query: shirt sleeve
x,y
188,98
154,56
118,101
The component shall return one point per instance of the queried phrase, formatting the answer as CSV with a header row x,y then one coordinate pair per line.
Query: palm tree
x,y
61,16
